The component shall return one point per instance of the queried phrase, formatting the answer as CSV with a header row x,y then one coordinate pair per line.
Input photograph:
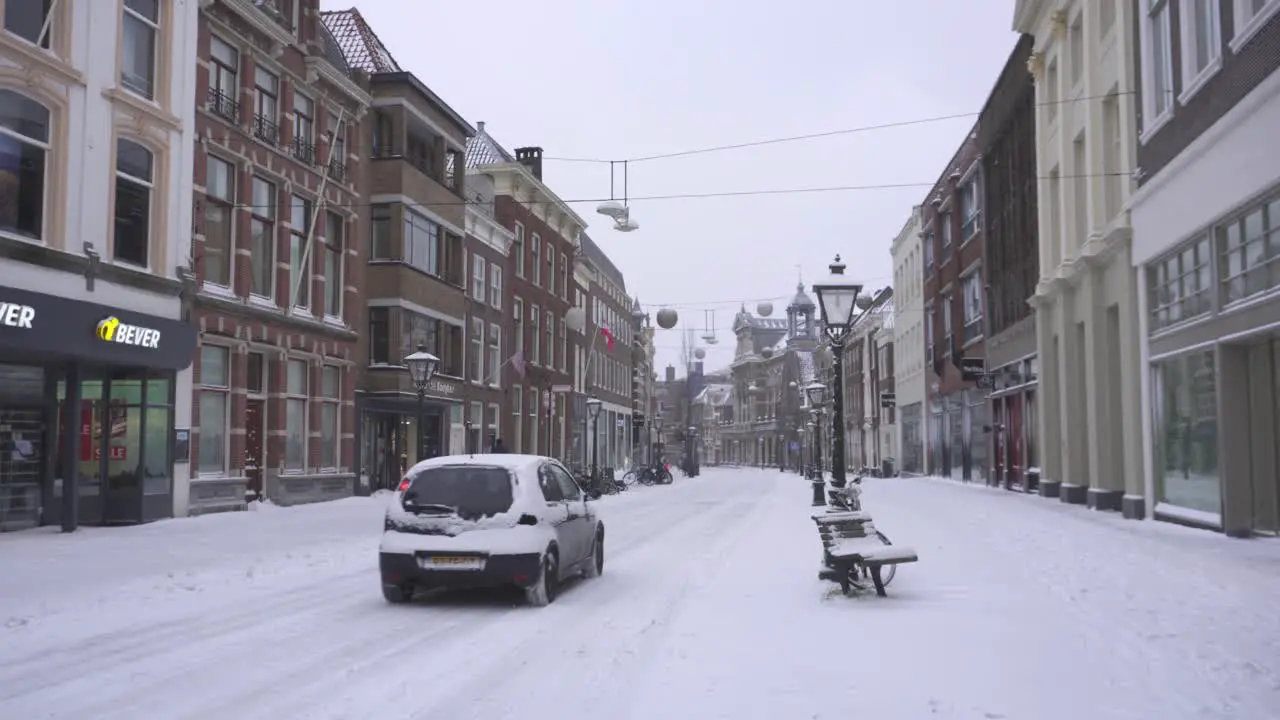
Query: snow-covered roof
x,y
801,299
482,149
360,46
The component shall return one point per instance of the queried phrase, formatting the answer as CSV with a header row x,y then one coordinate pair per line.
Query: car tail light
x,y
404,483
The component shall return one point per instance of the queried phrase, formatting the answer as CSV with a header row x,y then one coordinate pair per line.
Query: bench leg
x,y
875,577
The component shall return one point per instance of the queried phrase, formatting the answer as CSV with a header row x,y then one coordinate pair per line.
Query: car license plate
x,y
451,562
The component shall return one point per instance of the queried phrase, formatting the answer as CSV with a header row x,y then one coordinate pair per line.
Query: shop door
x,y
255,410
1014,435
22,436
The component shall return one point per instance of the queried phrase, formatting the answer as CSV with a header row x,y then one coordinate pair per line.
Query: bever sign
x,y
114,331
16,316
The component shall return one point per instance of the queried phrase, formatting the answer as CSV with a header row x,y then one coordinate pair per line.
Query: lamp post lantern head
x,y
817,393
422,367
593,406
837,299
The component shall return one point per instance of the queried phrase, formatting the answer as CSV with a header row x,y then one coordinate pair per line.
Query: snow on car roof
x,y
506,461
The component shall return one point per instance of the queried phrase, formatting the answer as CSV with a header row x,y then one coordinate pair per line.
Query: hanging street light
x,y
422,367
837,301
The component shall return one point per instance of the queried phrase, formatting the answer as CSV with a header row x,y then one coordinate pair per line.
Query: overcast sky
x,y
623,79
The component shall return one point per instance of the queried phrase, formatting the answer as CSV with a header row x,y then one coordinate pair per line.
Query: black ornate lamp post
x,y
837,300
422,367
817,394
593,409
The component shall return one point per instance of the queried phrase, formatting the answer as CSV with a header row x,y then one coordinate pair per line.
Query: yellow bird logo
x,y
107,328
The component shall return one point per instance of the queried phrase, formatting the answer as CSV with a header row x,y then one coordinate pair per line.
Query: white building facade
x,y
1206,220
97,103
908,348
1086,309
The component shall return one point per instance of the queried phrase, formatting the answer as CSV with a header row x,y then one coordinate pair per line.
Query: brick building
x,y
954,315
1007,138
277,170
539,379
414,264
612,369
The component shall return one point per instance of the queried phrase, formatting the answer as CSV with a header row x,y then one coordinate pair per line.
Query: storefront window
x,y
1186,432
155,466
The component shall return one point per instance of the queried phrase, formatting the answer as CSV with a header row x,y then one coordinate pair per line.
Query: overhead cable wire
x,y
828,133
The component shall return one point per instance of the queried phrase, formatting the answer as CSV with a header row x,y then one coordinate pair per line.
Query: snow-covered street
x,y
709,607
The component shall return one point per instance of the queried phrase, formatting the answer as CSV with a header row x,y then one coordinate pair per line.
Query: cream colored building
x,y
908,348
1086,307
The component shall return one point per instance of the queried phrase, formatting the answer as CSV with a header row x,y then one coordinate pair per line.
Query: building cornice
x,y
515,180
488,230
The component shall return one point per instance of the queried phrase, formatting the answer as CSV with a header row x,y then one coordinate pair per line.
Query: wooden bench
x,y
850,542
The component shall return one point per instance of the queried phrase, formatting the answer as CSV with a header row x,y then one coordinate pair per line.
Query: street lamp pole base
x,y
819,494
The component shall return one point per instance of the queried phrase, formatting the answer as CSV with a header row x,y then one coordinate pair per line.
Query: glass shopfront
x,y
86,411
1185,431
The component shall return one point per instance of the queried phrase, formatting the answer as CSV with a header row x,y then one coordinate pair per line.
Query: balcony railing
x,y
266,130
338,170
223,105
303,151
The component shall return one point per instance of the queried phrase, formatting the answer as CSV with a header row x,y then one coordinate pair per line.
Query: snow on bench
x,y
841,516
873,553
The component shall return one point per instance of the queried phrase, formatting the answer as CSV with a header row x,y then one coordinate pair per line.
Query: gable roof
x,y
360,47
483,149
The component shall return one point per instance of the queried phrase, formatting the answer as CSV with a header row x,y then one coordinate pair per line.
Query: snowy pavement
x,y
709,607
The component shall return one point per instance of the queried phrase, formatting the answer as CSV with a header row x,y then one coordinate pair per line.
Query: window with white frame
x,y
266,105
495,286
1250,17
535,336
1201,42
138,40
970,208
551,341
215,407
334,242
475,354
1075,39
337,133
564,276
535,257
219,221
517,315
551,269
134,188
535,415
224,79
517,250
971,287
421,243
1249,252
516,443
262,239
295,415
944,306
495,354
299,276
564,347
1179,286
495,421
479,276
1157,41
25,130
304,128
330,407
380,233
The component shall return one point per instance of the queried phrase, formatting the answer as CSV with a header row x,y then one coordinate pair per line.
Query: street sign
x,y
888,399
561,388
972,368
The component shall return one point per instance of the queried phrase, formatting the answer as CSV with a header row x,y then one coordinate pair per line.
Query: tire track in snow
x,y
625,625
52,668
397,692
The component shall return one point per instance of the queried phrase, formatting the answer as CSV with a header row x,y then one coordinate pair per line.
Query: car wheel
x,y
397,594
543,593
595,568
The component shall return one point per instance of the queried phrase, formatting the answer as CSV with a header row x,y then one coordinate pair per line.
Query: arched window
x,y
24,145
134,168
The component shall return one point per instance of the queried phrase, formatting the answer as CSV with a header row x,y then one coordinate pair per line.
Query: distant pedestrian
x,y
498,446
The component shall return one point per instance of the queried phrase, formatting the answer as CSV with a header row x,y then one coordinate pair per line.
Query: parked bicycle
x,y
656,474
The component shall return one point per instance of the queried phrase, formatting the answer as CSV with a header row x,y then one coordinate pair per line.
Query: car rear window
x,y
470,491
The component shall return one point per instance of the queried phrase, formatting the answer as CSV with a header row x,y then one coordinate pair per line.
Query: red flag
x,y
608,336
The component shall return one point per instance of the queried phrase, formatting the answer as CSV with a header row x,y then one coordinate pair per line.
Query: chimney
x,y
671,373
531,157
479,127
